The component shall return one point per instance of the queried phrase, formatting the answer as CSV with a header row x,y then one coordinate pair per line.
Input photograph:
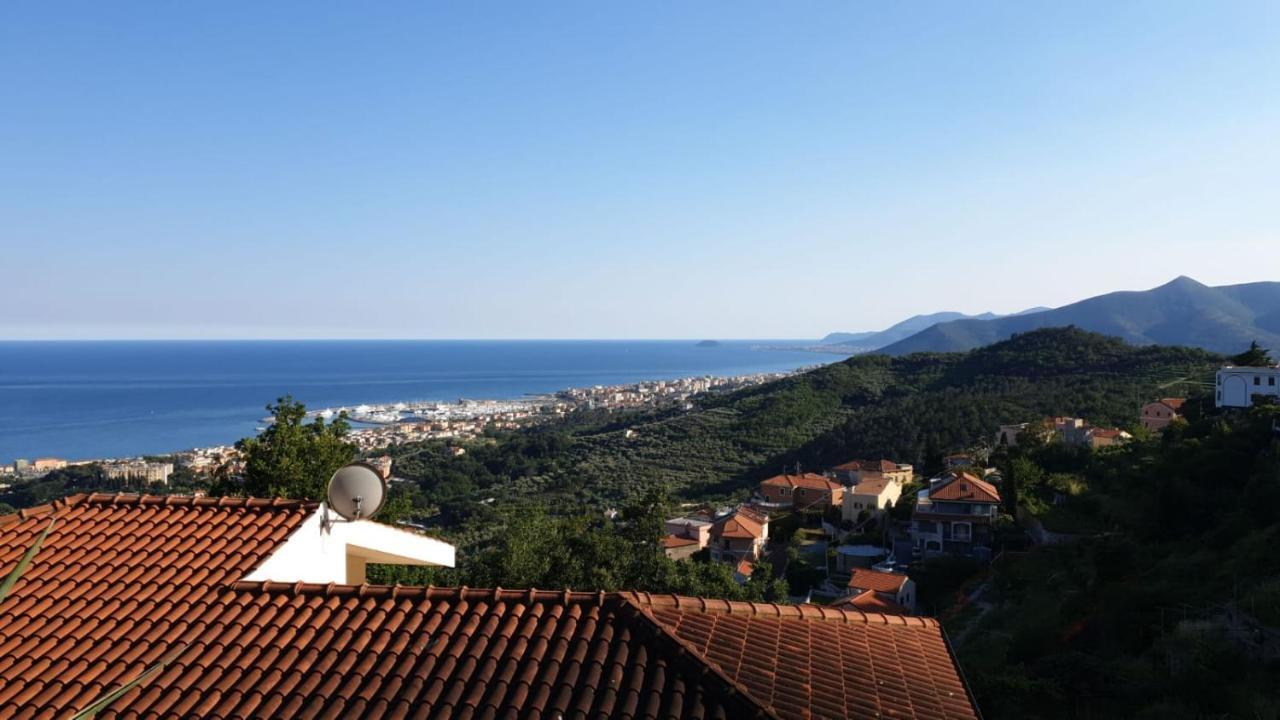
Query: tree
x,y
292,458
1255,356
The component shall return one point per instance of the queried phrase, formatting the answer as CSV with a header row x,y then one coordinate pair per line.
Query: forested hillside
x,y
912,408
1166,604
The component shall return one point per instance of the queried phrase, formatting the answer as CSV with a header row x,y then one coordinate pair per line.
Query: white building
x,y
1237,386
155,473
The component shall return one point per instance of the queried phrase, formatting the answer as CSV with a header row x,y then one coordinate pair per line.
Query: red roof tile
x,y
966,487
674,541
870,601
741,524
125,581
864,579
811,481
867,466
871,486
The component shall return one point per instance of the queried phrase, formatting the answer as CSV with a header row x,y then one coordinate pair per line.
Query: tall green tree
x,y
293,458
1255,356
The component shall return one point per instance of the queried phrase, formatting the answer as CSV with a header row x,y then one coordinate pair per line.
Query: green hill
x,y
911,408
1181,312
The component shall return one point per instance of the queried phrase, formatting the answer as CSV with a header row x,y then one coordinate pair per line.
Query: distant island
x,y
709,343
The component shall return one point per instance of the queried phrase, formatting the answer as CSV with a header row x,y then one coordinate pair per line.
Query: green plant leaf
x,y
102,702
16,573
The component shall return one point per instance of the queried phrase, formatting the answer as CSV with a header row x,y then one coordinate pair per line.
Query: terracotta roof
x,y
809,661
740,524
965,486
870,601
1107,432
674,541
864,579
867,466
745,568
807,480
1173,403
122,582
871,486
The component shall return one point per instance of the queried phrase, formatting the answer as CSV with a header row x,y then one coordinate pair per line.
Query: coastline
x,y
376,426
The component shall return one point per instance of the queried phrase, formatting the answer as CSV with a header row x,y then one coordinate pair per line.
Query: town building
x,y
1159,414
1098,437
1007,435
1067,430
854,471
870,601
739,535
955,514
47,464
872,495
1239,387
172,592
890,587
807,491
686,536
139,470
1070,430
679,548
382,464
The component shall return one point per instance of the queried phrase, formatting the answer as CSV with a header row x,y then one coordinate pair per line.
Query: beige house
x,y
874,494
855,471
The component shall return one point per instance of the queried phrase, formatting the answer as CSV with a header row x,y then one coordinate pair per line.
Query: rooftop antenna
x,y
356,491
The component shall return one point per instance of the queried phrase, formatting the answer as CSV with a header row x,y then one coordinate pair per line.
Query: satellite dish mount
x,y
356,492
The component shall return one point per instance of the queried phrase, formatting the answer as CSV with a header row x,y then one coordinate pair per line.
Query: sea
x,y
102,399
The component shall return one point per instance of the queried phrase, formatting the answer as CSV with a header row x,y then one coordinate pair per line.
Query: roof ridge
x,y
638,597
803,611
428,592
229,501
686,649
42,510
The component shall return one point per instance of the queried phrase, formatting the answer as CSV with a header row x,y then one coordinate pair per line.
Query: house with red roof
x,y
855,471
957,513
686,536
162,607
804,491
887,587
1100,437
739,535
1159,414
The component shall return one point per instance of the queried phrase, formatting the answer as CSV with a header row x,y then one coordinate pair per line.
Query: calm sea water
x,y
80,400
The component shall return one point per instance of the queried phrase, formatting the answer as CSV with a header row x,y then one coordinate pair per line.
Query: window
x,y
1257,380
1271,381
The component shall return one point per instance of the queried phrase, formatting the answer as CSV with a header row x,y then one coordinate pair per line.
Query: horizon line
x,y
409,339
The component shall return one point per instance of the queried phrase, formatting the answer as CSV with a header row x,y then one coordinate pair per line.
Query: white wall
x,y
339,553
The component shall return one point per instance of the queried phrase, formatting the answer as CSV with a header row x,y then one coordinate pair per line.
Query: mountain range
x,y
1223,319
875,339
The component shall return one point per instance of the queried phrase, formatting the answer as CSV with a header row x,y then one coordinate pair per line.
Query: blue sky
x,y
606,170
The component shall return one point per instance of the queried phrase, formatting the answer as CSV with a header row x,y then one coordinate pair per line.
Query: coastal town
x,y
378,426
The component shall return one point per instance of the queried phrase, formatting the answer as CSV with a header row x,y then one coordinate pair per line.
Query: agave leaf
x,y
103,701
16,573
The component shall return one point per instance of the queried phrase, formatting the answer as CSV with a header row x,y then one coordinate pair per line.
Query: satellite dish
x,y
356,491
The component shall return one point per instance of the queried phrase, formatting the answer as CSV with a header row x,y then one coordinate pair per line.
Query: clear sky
x,y
601,169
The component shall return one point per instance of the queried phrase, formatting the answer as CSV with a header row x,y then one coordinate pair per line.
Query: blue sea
x,y
92,399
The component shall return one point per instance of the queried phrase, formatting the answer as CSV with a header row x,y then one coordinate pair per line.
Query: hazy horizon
x,y
581,171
